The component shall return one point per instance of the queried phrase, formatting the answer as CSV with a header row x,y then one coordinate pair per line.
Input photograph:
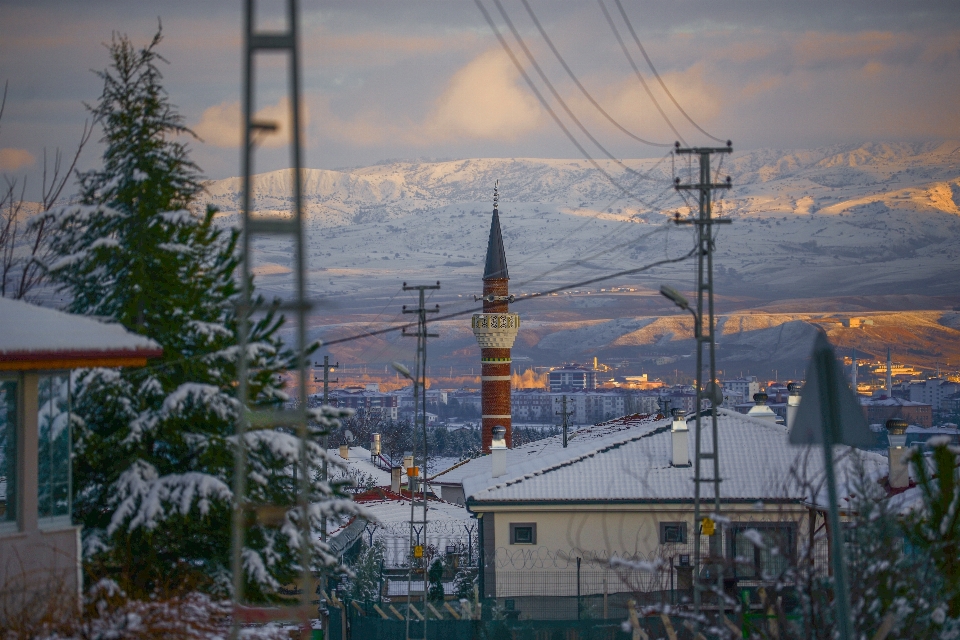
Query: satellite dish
x,y
348,436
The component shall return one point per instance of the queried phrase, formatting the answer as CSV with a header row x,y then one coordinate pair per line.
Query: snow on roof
x,y
756,463
447,524
534,454
359,464
33,333
884,401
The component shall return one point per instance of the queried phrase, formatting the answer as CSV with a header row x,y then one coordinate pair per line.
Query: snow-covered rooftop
x,y
633,463
33,334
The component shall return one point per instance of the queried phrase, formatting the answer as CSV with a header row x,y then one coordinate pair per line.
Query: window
x,y
762,550
8,453
673,533
53,463
523,533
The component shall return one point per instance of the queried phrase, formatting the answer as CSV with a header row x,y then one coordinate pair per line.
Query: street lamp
x,y
402,370
677,298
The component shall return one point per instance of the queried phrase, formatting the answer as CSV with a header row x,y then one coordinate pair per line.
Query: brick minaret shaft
x,y
495,329
495,371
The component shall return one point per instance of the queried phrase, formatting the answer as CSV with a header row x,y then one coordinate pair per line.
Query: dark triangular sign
x,y
828,407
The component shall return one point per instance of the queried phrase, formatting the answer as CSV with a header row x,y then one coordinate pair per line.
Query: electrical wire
x,y
580,86
545,104
636,70
659,79
553,91
531,296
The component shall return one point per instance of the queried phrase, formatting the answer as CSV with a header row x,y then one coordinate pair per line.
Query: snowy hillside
x,y
870,220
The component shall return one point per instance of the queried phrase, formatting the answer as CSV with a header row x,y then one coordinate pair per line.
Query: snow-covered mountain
x,y
841,221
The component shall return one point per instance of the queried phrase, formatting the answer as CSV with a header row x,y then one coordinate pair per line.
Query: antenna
x,y
496,194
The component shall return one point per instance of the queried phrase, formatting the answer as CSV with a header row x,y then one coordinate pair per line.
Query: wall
x,y
597,532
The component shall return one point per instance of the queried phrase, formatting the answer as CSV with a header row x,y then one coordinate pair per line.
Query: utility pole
x,y
327,368
563,413
703,226
419,400
284,41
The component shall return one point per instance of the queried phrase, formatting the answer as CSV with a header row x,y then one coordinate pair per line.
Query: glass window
x,y
8,451
673,533
523,533
763,550
53,499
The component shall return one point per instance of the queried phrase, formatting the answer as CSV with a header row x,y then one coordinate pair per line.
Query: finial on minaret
x,y
496,194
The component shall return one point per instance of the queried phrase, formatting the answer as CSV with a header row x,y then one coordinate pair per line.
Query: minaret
x,y
495,329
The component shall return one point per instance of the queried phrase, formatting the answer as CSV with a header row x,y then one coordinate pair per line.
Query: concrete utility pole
x,y
419,399
563,413
327,368
704,330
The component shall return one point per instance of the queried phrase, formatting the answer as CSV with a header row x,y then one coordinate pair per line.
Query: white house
x,y
39,544
624,490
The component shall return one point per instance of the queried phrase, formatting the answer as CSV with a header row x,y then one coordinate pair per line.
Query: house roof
x,y
532,454
633,465
39,338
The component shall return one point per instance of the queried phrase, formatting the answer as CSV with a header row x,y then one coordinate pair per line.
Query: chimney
x,y
760,410
679,437
395,473
345,451
375,446
899,471
407,460
793,403
498,451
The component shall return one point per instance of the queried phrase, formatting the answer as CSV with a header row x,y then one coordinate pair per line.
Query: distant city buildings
x,y
572,378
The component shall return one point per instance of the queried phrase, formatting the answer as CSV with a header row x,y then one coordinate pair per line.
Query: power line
x,y
553,91
582,283
636,70
580,86
659,79
544,103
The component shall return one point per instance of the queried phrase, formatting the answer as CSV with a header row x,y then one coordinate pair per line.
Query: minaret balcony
x,y
495,330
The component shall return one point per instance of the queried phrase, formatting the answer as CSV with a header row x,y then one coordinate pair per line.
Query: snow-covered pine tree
x,y
155,447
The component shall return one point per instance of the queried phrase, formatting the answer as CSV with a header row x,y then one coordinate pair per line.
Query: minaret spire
x,y
496,263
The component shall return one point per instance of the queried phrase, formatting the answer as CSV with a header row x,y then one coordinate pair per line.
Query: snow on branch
x,y
144,498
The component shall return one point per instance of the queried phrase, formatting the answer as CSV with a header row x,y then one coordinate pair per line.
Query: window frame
x,y
673,523
12,525
60,520
523,525
788,526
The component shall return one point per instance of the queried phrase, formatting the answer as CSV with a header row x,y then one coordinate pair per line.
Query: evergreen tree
x,y
435,576
368,574
155,447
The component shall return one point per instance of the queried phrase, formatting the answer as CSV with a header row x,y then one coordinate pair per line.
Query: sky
x,y
427,79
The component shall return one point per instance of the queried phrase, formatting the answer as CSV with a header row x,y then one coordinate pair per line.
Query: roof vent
x,y
793,403
761,411
498,451
679,436
899,470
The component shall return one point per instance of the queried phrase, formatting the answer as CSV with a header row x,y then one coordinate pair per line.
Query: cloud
x,y
484,100
12,159
481,101
220,125
629,104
